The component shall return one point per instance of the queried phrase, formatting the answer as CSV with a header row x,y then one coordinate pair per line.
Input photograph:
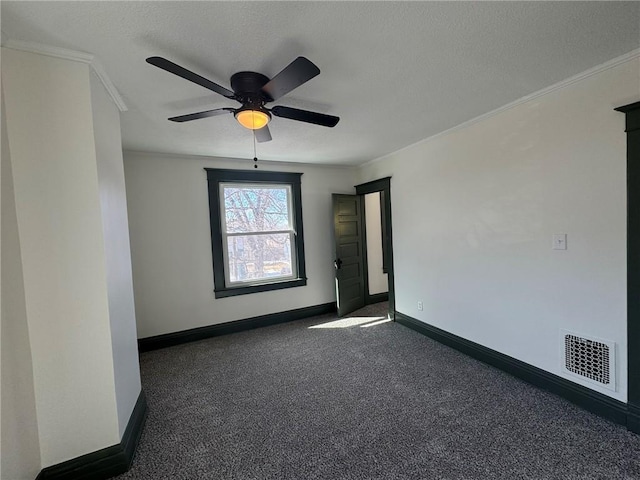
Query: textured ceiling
x,y
395,72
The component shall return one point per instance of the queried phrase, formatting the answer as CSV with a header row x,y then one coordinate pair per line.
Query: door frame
x,y
382,185
632,112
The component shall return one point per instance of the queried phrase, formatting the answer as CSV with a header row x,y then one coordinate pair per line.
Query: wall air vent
x,y
589,358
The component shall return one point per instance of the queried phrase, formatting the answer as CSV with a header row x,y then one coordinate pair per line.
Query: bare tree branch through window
x,y
259,231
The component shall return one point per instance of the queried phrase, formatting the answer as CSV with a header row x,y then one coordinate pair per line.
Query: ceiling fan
x,y
253,90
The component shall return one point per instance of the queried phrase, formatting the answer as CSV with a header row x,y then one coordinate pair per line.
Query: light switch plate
x,y
560,241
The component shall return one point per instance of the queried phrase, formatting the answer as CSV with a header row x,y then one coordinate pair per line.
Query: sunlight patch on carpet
x,y
379,322
350,322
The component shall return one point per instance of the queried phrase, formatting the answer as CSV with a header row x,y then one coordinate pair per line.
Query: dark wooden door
x,y
347,217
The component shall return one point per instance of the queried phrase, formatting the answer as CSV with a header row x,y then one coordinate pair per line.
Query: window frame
x,y
216,177
290,232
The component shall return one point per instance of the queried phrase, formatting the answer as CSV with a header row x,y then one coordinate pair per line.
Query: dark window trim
x,y
215,176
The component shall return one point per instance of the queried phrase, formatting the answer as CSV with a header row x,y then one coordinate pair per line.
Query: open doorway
x,y
354,287
376,278
382,187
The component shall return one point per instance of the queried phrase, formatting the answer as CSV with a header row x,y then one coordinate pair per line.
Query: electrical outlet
x,y
420,306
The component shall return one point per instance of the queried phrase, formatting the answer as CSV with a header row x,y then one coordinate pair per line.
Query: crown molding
x,y
527,98
74,56
99,70
48,51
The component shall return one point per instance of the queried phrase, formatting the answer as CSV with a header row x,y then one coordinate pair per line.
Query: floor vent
x,y
590,358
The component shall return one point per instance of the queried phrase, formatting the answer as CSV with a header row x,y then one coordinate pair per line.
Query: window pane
x,y
254,209
259,257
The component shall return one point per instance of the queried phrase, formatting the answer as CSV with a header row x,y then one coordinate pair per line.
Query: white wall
x,y
171,242
58,211
18,427
113,203
378,282
474,211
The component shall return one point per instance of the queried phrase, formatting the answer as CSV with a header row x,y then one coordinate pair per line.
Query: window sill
x,y
264,287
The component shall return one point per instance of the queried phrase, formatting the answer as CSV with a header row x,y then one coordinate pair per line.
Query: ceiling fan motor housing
x,y
248,88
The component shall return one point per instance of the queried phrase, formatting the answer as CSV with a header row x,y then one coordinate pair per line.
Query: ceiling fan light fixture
x,y
253,119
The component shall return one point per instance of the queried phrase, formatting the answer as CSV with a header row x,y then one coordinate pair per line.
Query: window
x,y
256,231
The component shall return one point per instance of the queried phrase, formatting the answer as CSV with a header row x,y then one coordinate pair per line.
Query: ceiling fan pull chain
x,y
255,156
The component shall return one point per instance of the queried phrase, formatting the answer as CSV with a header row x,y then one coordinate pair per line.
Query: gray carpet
x,y
379,402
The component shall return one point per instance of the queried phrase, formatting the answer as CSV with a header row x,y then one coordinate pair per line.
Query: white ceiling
x,y
394,72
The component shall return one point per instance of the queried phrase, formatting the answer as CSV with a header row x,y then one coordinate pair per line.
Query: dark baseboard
x,y
377,298
133,431
586,398
633,418
105,463
194,334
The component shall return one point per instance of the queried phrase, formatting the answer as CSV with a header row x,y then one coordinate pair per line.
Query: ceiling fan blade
x,y
305,116
263,134
171,67
299,71
205,114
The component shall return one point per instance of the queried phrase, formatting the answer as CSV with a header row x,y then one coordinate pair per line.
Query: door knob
x,y
337,263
